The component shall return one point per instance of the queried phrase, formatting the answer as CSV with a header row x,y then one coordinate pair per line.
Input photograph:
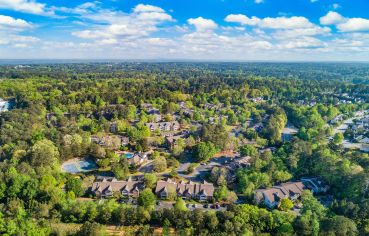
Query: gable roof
x,y
285,190
114,185
185,188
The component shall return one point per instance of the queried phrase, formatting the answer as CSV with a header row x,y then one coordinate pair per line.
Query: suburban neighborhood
x,y
181,177
183,149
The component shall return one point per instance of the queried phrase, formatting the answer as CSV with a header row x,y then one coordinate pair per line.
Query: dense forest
x,y
57,109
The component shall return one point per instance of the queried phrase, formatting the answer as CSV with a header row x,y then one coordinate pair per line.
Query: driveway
x,y
146,168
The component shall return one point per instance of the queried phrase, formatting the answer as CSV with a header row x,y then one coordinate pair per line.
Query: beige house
x,y
271,197
164,126
107,188
201,191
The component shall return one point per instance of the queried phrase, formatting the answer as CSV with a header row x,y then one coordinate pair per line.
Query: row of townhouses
x,y
110,140
164,189
200,191
107,188
164,126
271,197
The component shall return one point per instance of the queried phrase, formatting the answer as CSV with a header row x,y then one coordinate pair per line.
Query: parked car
x,y
122,200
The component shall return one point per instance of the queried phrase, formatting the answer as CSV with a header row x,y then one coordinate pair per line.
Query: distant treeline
x,y
350,72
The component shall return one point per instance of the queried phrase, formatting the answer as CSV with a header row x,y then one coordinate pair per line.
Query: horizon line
x,y
73,60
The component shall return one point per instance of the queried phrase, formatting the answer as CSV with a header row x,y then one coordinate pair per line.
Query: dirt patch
x,y
226,153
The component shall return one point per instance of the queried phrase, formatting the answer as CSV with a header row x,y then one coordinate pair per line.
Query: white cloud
x,y
162,42
88,34
295,33
259,1
202,24
242,19
147,31
147,8
271,23
10,23
286,22
332,18
354,24
84,8
302,43
285,33
10,32
118,28
345,24
9,39
133,32
28,6
154,16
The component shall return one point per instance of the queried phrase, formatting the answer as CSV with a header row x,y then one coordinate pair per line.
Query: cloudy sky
x,y
278,30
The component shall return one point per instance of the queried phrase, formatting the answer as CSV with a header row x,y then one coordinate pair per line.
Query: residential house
x,y
258,100
137,159
146,106
217,119
210,106
200,191
113,127
271,197
109,187
182,105
230,167
315,185
269,149
239,162
164,126
365,140
359,138
187,112
124,140
337,119
156,117
258,127
110,141
149,109
288,132
171,141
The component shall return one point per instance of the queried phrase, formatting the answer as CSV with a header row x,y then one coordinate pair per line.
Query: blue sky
x,y
223,30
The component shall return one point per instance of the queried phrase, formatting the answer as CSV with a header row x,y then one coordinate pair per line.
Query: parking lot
x,y
201,170
192,206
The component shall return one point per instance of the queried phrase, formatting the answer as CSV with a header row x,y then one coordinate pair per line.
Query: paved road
x,y
344,126
147,167
201,170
